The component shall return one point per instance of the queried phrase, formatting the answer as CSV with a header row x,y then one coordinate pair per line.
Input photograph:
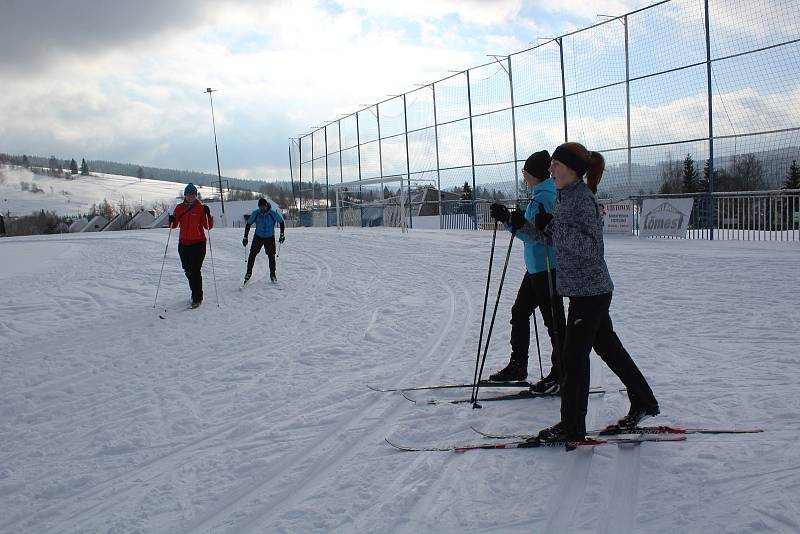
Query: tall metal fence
x,y
717,81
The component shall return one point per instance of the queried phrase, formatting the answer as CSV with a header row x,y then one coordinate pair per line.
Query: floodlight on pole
x,y
216,149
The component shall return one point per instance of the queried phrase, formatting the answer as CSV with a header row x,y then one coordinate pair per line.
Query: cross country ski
x,y
534,444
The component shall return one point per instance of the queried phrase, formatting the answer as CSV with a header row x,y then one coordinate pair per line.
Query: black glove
x,y
542,219
244,241
205,209
282,238
171,218
499,212
517,219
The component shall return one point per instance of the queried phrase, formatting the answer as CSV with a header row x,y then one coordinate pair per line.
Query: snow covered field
x,y
76,196
254,416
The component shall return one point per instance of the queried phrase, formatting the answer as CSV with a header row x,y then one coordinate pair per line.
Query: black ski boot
x,y
546,386
635,416
552,433
513,372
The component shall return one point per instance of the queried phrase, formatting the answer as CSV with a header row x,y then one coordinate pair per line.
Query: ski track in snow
x,y
253,416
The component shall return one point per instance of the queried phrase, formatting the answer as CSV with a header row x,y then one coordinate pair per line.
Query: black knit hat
x,y
538,165
262,201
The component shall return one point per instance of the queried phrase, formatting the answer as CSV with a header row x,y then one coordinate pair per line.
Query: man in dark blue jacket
x,y
265,218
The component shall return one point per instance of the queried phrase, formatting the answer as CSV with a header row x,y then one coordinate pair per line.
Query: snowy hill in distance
x,y
23,192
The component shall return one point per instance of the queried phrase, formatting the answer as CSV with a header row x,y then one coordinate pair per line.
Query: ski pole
x,y
538,350
491,324
554,309
483,316
162,266
556,320
213,273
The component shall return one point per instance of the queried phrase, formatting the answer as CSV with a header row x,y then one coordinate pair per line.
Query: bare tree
x,y
671,177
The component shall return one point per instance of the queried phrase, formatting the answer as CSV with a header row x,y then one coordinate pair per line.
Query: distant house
x,y
143,219
117,223
78,225
96,224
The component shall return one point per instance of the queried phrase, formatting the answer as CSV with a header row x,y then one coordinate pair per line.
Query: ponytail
x,y
596,164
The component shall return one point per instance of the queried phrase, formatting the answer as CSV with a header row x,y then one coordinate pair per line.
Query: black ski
x,y
483,384
509,396
641,430
534,444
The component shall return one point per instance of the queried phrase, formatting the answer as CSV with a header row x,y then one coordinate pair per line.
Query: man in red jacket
x,y
192,217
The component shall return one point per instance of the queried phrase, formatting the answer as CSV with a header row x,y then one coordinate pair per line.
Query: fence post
x,y
438,172
341,165
628,99
300,181
380,153
358,149
472,155
327,188
408,164
513,128
313,181
710,119
291,171
563,86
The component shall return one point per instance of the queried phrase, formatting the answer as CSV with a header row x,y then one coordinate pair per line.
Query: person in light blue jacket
x,y
265,218
535,290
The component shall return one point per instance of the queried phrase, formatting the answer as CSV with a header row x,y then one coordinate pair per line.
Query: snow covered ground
x,y
254,416
75,196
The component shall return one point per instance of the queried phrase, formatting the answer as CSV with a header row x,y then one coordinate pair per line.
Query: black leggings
x,y
192,257
534,292
269,248
589,326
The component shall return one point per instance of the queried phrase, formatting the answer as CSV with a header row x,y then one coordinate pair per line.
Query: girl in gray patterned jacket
x,y
575,228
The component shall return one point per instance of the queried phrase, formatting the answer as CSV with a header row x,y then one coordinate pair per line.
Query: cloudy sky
x,y
124,81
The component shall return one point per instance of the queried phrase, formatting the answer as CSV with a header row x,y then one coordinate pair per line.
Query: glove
x,y
207,210
542,219
499,212
282,238
517,220
171,218
244,241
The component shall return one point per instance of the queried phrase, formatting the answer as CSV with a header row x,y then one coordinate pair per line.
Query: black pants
x,y
192,257
269,248
534,292
589,326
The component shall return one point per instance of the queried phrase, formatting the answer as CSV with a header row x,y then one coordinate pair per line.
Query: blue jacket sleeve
x,y
277,216
252,218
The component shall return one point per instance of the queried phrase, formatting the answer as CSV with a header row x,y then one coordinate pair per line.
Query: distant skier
x,y
193,218
2,226
265,218
575,226
534,291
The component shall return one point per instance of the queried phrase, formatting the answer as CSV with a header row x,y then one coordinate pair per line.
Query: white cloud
x,y
127,82
476,12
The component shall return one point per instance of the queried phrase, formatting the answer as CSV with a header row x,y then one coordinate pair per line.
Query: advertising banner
x,y
665,217
617,217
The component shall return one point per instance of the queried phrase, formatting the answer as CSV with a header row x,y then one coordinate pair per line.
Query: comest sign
x,y
665,217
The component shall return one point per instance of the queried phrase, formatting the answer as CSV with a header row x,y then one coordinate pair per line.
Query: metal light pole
x,y
216,149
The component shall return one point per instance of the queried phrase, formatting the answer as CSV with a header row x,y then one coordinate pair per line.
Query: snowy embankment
x,y
22,192
254,416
